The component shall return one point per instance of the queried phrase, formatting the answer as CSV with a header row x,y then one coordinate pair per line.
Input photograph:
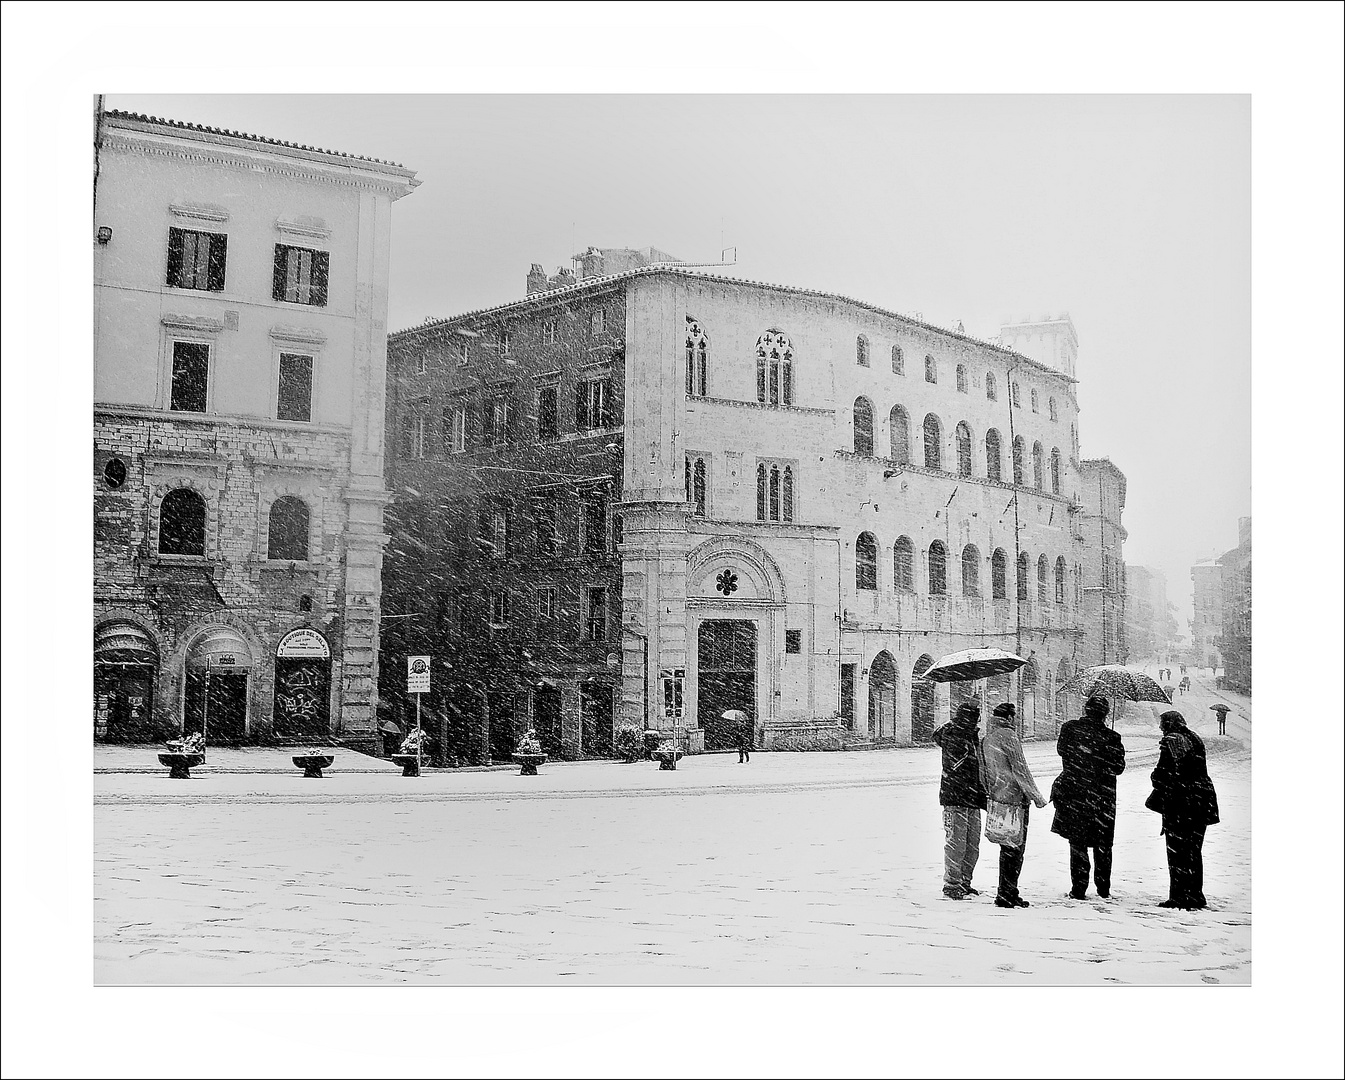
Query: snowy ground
x,y
795,868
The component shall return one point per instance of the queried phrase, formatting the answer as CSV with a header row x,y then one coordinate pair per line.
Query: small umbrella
x,y
734,716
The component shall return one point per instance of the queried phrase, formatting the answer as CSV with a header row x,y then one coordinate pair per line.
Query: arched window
x,y
287,531
1060,580
1050,405
862,351
961,378
999,575
1022,575
938,569
993,462
971,571
1019,449
775,492
775,369
1015,396
1055,470
1034,401
697,358
761,492
903,565
1043,570
182,523
963,449
863,427
866,562
991,390
933,442
931,370
787,499
898,361
899,426
695,484
1038,477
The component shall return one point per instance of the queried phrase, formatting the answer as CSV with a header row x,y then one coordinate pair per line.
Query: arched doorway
x,y
726,654
922,701
125,666
216,699
882,696
1027,699
303,685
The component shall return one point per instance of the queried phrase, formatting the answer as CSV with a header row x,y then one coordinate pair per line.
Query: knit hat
x,y
1005,708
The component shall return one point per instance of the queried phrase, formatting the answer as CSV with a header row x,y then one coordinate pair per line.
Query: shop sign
x,y
304,644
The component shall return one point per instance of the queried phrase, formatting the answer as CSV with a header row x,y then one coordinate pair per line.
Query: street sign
x,y
417,674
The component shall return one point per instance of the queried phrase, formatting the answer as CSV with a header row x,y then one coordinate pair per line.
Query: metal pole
x,y
644,642
419,736
205,709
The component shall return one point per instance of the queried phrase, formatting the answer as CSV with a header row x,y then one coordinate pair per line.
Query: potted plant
x,y
411,751
667,755
628,742
529,754
313,761
183,754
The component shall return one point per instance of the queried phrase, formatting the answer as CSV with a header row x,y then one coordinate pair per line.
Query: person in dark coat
x,y
743,735
1184,794
1092,757
962,796
1221,711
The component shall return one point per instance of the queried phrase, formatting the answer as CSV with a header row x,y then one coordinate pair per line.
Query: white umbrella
x,y
973,664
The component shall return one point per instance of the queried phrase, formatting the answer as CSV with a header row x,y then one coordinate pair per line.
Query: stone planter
x,y
666,757
313,764
180,764
410,764
529,763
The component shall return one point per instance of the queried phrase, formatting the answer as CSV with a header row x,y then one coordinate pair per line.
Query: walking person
x,y
962,796
1221,711
1184,794
1092,757
1008,782
744,739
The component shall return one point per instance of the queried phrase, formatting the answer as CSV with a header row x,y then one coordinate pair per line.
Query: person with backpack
x,y
962,796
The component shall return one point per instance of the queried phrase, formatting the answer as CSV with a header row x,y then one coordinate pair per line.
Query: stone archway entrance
x,y
922,701
726,677
883,696
125,666
303,685
216,699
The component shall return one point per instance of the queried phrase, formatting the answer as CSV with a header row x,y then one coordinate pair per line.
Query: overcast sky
x,y
1131,213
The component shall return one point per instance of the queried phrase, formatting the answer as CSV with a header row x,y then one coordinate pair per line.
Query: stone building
x,y
1235,641
1207,613
660,494
1102,492
240,300
1150,628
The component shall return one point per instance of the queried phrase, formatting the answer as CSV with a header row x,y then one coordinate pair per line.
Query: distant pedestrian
x,y
1092,757
1185,684
1170,691
1221,711
962,796
1182,668
1008,784
744,739
1184,794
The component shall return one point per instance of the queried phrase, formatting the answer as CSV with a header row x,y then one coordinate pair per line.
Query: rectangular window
x,y
461,350
455,429
546,413
294,398
593,405
499,608
544,518
600,320
793,641
421,363
497,419
550,331
499,532
594,522
595,621
546,602
196,259
191,376
413,435
299,276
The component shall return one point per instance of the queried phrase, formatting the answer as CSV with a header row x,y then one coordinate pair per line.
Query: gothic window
x,y
931,370
938,569
899,428
1038,478
775,491
991,391
697,358
898,361
182,523
993,463
863,427
287,530
787,497
961,378
696,484
903,565
775,369
1055,470
1043,571
999,575
971,571
1060,580
933,430
862,351
762,472
866,561
963,449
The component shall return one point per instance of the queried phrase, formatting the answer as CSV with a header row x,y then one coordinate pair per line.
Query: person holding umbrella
x,y
962,796
1184,794
1092,756
1008,783
1221,711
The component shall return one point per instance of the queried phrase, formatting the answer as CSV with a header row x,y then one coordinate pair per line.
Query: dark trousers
x,y
1078,868
744,753
1011,865
1186,864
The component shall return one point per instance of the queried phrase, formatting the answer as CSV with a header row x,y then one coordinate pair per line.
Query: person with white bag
x,y
1009,788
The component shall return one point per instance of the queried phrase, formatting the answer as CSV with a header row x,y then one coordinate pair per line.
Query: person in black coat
x,y
962,796
743,736
1184,794
1092,757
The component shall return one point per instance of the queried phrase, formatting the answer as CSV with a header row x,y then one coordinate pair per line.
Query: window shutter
x,y
278,273
174,256
321,260
219,247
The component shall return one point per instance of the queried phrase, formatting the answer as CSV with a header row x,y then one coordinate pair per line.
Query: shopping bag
x,y
1006,824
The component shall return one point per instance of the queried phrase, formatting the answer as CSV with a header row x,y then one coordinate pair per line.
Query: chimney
x,y
536,279
564,276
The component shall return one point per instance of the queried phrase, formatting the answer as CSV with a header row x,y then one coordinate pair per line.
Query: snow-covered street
x,y
794,868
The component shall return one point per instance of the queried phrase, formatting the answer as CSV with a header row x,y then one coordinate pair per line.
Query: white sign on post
x,y
417,674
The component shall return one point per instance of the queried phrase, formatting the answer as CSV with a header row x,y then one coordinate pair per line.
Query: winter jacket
x,y
1005,774
1084,794
960,784
1183,792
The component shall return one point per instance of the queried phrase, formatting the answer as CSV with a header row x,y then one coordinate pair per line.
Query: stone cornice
x,y
299,335
113,412
200,323
803,410
199,213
